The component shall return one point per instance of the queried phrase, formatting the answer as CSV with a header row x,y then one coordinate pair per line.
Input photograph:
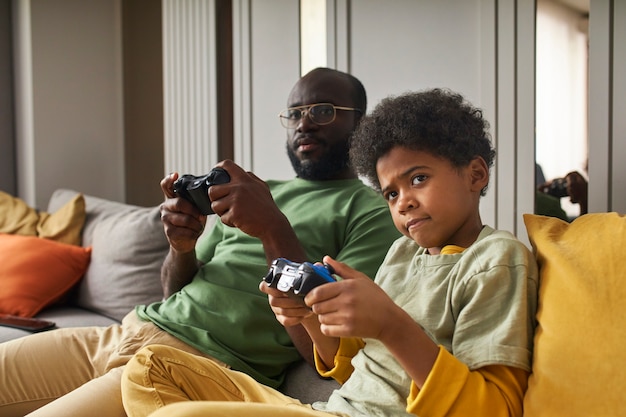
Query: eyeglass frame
x,y
306,110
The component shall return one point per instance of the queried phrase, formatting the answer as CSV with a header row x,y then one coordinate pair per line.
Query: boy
x,y
447,327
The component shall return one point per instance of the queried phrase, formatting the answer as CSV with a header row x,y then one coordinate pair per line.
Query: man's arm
x,y
288,246
183,224
177,271
247,204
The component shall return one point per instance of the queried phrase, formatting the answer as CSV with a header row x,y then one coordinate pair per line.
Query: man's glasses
x,y
320,114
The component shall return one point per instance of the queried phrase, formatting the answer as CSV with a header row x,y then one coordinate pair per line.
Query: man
x,y
212,304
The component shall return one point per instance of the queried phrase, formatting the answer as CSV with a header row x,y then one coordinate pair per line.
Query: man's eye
x,y
418,179
294,114
324,110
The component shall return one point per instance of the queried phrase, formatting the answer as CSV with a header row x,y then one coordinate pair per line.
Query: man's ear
x,y
479,173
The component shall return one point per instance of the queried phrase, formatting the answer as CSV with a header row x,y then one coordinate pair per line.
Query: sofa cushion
x,y
64,225
580,342
304,383
36,272
63,316
129,247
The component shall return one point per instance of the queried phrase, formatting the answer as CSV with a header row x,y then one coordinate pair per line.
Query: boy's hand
x,y
352,307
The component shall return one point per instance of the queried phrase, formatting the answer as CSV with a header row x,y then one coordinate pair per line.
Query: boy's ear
x,y
479,172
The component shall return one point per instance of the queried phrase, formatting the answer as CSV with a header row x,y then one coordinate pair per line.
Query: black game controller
x,y
196,189
298,279
557,188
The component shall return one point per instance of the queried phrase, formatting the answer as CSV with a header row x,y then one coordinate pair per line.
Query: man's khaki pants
x,y
74,371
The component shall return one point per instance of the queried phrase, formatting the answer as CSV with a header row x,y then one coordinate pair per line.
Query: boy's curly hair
x,y
436,121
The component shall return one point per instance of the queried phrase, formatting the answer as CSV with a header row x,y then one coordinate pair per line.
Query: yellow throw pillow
x,y
17,217
64,225
579,362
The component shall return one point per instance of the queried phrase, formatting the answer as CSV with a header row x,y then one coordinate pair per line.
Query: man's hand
x,y
246,203
577,190
182,222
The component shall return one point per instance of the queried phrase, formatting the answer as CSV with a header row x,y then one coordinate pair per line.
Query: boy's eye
x,y
390,195
418,179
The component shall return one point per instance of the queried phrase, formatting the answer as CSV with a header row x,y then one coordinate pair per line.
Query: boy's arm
x,y
342,367
404,338
344,309
492,390
452,389
442,384
325,347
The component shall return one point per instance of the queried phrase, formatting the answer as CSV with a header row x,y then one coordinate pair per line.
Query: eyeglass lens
x,y
318,113
322,113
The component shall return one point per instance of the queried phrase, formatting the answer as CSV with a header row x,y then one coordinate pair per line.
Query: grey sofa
x,y
128,248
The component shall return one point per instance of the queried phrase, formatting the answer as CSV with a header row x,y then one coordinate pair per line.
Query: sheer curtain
x,y
561,77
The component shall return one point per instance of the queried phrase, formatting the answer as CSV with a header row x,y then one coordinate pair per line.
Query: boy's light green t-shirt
x,y
222,312
479,305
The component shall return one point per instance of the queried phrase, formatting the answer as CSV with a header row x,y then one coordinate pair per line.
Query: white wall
x,y
607,106
419,50
618,171
68,98
266,68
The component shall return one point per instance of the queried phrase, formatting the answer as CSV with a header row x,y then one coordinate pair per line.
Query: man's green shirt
x,y
222,312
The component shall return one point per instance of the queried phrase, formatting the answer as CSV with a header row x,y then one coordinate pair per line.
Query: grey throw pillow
x,y
129,247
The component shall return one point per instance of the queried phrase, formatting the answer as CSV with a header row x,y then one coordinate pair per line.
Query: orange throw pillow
x,y
36,272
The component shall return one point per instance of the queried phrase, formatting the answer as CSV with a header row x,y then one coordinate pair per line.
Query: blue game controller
x,y
298,278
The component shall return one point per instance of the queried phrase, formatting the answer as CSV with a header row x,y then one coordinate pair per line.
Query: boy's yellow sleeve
x,y
451,389
342,369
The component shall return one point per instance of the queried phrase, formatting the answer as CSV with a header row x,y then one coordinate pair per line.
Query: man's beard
x,y
333,162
